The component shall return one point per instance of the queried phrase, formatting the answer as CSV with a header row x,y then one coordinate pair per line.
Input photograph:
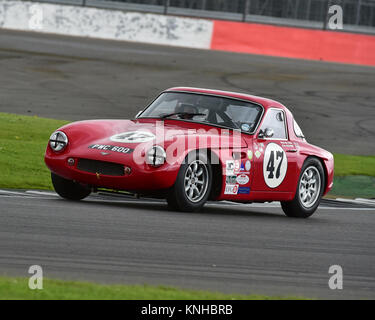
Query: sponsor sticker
x,y
133,137
231,189
236,166
249,154
248,165
243,190
242,167
106,147
257,154
229,168
242,179
230,179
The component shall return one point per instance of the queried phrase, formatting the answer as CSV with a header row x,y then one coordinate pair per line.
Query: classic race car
x,y
192,145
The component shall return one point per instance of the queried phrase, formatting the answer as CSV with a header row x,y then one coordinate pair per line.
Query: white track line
x,y
12,192
42,193
366,201
34,194
357,201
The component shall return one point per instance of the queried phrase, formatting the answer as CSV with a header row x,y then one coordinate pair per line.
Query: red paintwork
x,y
145,178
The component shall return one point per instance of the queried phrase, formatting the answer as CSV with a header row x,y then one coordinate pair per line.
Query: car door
x,y
274,155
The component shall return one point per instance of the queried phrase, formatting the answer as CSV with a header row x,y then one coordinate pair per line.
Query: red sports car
x,y
192,145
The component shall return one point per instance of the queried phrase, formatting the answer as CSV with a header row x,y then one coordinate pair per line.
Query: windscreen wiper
x,y
182,114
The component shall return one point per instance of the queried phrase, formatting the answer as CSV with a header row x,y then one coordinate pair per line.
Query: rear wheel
x,y
309,191
193,185
69,189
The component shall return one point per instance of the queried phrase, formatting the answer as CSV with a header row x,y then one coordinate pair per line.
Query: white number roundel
x,y
275,165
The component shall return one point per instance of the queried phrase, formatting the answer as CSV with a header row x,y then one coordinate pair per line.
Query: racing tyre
x,y
69,189
309,192
193,184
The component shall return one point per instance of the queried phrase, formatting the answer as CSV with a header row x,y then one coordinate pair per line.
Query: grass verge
x,y
17,289
346,165
23,140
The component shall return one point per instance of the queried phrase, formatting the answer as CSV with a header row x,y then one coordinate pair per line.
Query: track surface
x,y
234,249
76,78
226,247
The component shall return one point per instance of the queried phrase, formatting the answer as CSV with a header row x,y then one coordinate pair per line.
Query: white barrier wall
x,y
106,24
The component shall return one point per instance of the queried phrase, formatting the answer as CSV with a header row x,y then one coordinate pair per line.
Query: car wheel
x,y
309,191
192,186
69,189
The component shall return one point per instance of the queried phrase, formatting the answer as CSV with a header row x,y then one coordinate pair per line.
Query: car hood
x,y
130,133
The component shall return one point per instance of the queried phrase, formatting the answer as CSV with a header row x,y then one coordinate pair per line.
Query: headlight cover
x,y
58,141
156,156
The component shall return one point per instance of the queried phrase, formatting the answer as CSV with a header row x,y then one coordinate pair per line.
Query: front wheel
x,y
192,186
309,191
69,189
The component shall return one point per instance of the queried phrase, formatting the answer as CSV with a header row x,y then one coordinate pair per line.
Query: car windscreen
x,y
208,109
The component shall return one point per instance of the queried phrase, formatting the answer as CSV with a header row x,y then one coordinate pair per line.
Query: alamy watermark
x,y
36,280
335,282
336,16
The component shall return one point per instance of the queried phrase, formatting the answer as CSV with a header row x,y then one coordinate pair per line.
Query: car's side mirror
x,y
266,133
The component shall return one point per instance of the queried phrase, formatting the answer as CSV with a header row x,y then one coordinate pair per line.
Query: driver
x,y
189,109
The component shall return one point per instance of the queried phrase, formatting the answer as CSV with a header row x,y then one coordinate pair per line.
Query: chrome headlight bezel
x,y
156,156
58,141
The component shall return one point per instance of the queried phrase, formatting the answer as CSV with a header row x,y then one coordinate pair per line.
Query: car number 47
x,y
275,165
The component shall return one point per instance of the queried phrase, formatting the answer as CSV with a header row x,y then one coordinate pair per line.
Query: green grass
x,y
354,187
346,165
17,289
23,140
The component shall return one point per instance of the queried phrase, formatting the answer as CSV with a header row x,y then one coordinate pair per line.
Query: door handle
x,y
292,150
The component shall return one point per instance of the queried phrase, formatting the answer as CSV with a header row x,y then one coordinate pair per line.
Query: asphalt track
x,y
77,78
229,248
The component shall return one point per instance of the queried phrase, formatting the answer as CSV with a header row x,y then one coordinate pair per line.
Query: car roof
x,y
265,102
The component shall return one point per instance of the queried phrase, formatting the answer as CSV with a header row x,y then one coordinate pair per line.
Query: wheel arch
x,y
325,170
217,170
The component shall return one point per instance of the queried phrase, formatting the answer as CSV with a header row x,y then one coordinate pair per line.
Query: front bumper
x,y
142,177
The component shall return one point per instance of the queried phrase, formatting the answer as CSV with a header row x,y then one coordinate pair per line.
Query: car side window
x,y
275,120
297,130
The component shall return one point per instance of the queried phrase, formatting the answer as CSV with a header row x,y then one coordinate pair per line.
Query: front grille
x,y
101,167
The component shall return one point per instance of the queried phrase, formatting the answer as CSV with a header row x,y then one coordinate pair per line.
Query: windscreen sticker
x,y
275,165
133,137
106,147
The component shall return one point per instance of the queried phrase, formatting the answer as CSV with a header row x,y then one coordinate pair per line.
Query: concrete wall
x,y
252,38
106,24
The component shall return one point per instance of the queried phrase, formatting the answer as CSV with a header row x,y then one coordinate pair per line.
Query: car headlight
x,y
156,156
58,141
